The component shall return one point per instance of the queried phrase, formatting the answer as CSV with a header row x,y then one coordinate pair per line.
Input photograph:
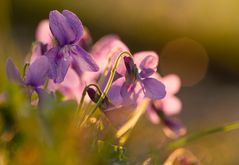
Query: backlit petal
x,y
154,89
38,72
13,73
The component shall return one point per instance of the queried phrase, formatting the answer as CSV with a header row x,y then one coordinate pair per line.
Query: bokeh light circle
x,y
186,58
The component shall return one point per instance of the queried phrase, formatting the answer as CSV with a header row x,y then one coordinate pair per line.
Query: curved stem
x,y
107,87
184,140
125,130
82,101
108,65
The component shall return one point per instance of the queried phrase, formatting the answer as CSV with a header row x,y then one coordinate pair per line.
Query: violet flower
x,y
138,82
35,77
67,30
73,85
162,110
170,104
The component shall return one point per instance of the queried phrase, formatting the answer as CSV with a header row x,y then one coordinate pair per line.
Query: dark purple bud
x,y
95,96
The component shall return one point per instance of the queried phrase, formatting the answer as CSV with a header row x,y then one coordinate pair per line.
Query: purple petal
x,y
13,73
37,72
82,61
146,72
146,59
38,50
61,29
116,76
86,40
132,93
127,89
60,61
42,96
75,24
154,89
114,92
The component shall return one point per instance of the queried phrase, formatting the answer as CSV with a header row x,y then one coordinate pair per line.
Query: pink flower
x,y
108,47
171,104
168,106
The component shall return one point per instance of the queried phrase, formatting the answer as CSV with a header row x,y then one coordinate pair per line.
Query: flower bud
x,y
95,96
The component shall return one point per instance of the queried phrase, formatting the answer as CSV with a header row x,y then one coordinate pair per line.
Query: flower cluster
x,y
64,59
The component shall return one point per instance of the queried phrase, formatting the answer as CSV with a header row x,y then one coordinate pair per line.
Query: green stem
x,y
108,65
82,102
184,140
45,128
111,78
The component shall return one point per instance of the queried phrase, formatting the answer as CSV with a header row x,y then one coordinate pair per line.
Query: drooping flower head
x,y
67,30
95,96
138,82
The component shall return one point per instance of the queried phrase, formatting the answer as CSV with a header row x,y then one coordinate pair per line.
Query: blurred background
x,y
198,40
